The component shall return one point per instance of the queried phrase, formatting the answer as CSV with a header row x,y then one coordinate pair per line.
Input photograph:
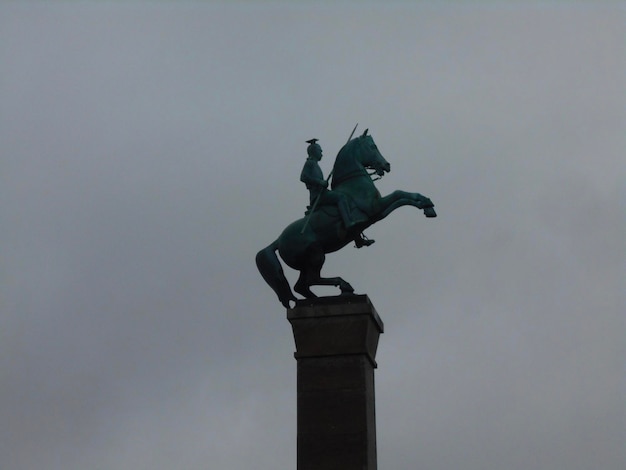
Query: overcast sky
x,y
150,149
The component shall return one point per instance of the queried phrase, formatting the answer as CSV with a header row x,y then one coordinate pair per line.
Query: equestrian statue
x,y
334,217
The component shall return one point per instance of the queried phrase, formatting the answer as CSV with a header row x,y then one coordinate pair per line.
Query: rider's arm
x,y
312,175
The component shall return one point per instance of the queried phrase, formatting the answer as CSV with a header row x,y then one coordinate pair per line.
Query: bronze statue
x,y
335,217
313,177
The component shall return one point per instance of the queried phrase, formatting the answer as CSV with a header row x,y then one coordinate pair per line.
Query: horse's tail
x,y
272,271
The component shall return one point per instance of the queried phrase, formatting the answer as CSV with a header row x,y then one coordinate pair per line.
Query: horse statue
x,y
304,243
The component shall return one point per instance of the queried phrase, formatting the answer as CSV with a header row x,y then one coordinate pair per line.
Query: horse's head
x,y
370,157
356,157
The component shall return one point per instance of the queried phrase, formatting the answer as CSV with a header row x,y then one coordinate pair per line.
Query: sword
x,y
319,196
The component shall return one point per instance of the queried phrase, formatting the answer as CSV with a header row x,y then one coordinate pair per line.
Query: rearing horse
x,y
303,244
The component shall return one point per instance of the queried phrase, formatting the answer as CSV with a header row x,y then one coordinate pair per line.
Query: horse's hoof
x,y
346,289
430,212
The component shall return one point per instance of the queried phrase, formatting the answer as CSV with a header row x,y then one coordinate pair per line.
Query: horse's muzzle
x,y
382,169
430,212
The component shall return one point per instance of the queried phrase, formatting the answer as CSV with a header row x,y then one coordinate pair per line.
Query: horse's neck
x,y
347,167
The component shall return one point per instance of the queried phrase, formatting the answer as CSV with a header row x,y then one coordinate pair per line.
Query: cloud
x,y
150,151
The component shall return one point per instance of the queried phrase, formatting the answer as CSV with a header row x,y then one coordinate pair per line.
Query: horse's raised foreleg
x,y
398,198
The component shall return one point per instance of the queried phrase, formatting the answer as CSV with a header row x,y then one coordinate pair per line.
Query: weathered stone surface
x,y
331,326
336,341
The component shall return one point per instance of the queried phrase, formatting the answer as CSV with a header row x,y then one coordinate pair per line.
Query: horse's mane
x,y
346,151
348,147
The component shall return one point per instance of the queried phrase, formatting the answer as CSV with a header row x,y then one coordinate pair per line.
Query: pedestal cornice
x,y
332,326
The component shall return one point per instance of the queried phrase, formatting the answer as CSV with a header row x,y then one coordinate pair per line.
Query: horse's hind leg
x,y
302,286
310,276
315,261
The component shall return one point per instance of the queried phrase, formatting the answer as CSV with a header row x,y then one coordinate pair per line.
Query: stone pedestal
x,y
336,340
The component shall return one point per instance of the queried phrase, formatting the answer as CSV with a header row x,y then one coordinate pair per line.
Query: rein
x,y
349,176
378,177
355,174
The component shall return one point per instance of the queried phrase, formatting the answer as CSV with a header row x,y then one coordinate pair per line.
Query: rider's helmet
x,y
314,149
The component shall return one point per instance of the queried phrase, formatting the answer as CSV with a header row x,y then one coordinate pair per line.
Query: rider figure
x,y
313,177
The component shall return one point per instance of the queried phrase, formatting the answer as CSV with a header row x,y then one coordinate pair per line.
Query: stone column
x,y
336,340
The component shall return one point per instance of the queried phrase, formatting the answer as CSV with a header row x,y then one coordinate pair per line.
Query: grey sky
x,y
149,150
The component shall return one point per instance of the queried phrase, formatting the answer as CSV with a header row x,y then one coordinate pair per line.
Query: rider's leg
x,y
344,210
341,201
